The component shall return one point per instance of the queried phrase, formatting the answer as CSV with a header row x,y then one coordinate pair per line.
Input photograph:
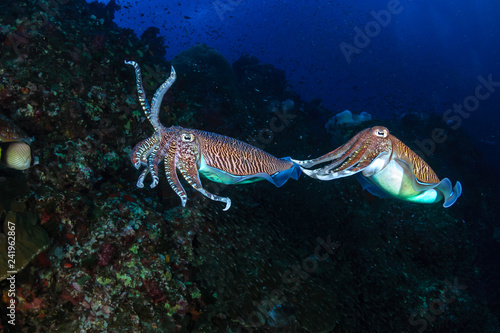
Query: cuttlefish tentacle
x,y
353,156
157,98
337,156
386,167
193,152
188,157
142,150
157,154
171,172
153,160
140,180
140,91
371,145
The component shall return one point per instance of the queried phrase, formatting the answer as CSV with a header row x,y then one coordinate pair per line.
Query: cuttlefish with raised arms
x,y
386,167
193,153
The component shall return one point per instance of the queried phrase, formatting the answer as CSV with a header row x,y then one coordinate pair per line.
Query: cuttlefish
x,y
386,167
194,152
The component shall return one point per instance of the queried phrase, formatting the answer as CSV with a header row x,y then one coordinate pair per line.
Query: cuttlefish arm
x,y
352,157
187,159
386,167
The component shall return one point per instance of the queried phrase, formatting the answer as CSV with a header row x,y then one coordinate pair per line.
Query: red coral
x,y
70,296
106,254
183,307
44,259
154,291
46,216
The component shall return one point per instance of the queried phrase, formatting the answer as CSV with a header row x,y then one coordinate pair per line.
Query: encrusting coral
x,y
123,258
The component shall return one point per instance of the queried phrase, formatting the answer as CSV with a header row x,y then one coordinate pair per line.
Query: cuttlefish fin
x,y
450,193
281,177
370,187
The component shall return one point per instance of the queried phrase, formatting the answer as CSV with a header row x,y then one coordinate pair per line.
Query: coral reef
x,y
329,257
346,118
28,236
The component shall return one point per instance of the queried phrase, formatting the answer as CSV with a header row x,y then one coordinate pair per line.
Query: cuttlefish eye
x,y
187,137
381,132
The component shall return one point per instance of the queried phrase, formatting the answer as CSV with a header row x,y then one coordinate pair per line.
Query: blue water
x,y
425,56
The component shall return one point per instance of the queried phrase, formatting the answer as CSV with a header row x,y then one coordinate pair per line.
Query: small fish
x,y
16,155
15,150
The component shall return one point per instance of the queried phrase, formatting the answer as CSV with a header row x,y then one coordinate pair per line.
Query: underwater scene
x,y
249,166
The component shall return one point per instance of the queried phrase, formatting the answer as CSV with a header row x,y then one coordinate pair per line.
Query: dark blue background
x,y
427,57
